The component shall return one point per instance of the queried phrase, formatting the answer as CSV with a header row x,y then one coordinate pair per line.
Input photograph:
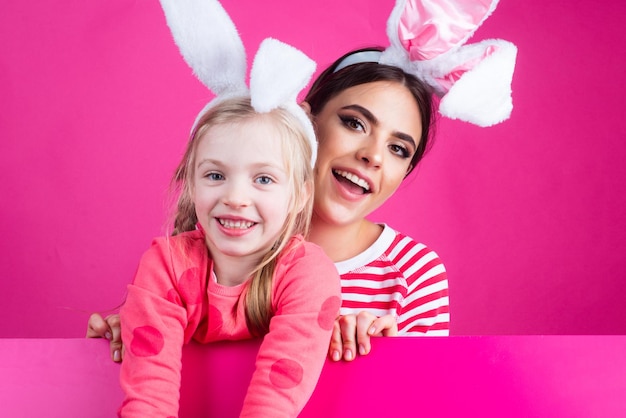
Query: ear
x,y
307,109
307,193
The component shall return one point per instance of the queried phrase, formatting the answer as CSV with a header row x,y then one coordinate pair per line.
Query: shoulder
x,y
298,250
170,258
172,249
185,239
303,258
403,250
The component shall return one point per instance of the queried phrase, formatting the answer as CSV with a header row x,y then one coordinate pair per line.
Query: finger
x,y
364,322
386,325
335,350
347,325
97,327
116,346
391,331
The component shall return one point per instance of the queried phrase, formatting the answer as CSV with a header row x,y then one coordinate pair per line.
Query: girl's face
x,y
367,135
241,187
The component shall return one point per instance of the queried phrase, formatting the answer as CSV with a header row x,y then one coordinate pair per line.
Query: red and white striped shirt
x,y
401,277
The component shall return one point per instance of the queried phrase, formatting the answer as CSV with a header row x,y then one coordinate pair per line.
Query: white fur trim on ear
x,y
278,74
483,95
209,43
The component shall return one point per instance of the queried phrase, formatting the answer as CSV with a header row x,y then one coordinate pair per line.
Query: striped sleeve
x,y
425,308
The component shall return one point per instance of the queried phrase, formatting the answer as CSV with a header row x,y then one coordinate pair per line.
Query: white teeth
x,y
228,223
354,179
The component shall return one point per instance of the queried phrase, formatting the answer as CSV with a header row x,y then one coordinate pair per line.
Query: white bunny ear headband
x,y
427,40
211,46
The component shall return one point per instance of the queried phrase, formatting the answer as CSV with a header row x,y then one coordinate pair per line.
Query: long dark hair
x,y
330,83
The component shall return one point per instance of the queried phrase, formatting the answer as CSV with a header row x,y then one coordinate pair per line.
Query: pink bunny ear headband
x,y
427,40
211,46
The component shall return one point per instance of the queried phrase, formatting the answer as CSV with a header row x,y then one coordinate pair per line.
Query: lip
x,y
234,232
344,191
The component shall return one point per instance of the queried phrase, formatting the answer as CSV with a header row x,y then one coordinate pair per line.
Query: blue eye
x,y
215,176
264,180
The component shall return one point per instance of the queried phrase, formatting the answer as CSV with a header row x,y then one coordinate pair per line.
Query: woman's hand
x,y
109,328
352,330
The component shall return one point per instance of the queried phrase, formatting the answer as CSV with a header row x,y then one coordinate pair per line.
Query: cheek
x,y
393,179
202,200
330,144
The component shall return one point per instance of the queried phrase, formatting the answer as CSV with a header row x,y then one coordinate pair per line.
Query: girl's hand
x,y
351,331
109,328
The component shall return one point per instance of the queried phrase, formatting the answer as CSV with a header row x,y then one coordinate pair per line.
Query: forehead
x,y
387,93
391,103
253,138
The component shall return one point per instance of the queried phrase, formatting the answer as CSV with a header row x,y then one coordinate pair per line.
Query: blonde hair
x,y
297,156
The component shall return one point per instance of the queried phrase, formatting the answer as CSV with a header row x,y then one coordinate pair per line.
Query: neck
x,y
341,242
232,271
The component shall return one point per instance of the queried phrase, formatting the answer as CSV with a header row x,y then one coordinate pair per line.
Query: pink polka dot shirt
x,y
174,299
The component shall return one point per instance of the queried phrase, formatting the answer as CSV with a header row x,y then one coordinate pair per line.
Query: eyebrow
x,y
374,121
207,161
259,166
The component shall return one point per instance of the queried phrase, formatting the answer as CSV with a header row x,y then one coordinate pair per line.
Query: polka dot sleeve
x,y
153,329
306,300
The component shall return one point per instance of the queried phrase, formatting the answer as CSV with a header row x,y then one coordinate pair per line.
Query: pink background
x,y
528,216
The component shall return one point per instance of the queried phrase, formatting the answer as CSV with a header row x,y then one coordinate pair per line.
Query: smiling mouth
x,y
235,224
353,181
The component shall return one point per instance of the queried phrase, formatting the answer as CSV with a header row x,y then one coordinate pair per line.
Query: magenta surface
x,y
530,376
528,216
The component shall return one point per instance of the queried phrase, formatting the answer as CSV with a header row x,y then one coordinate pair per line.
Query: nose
x,y
236,194
371,153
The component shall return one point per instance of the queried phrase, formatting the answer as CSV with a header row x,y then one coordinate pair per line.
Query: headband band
x,y
358,58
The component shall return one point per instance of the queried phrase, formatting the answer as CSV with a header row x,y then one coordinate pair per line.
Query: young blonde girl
x,y
237,266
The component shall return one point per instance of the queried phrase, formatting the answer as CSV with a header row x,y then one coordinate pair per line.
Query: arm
x,y
153,328
306,300
425,309
421,310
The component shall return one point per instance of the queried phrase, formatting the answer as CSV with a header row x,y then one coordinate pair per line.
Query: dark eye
x,y
264,180
352,123
399,150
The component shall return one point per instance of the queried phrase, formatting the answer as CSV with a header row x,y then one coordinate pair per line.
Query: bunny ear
x,y
278,74
209,43
474,81
426,29
481,93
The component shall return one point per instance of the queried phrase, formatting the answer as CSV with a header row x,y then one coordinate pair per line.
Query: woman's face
x,y
367,135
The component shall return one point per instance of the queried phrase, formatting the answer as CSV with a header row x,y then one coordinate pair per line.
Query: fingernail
x,y
336,355
372,330
117,355
107,335
361,349
348,355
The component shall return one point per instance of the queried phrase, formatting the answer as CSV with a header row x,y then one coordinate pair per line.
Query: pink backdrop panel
x,y
490,376
528,216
